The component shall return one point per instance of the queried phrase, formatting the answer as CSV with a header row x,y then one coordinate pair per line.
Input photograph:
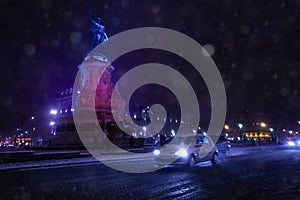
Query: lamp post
x,y
53,113
32,131
226,128
27,128
240,129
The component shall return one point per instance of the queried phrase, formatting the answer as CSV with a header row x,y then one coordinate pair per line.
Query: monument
x,y
89,86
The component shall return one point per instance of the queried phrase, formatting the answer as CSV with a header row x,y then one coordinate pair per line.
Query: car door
x,y
204,148
209,147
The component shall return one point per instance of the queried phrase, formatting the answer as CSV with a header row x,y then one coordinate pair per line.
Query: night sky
x,y
255,45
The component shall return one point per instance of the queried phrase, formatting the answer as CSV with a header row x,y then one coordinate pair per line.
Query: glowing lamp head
x,y
262,124
240,126
53,112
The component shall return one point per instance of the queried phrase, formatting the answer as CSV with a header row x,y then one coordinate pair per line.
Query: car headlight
x,y
291,143
156,152
298,142
181,153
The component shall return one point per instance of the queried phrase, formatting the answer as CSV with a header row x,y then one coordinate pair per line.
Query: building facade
x,y
254,127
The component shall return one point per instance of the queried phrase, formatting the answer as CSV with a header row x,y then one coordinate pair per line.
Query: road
x,y
246,173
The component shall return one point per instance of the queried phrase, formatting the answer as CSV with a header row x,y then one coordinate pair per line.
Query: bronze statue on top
x,y
98,30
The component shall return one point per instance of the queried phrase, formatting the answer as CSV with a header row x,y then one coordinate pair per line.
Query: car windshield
x,y
182,140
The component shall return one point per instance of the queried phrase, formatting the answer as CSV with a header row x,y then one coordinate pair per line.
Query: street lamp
x,y
52,123
32,132
240,130
262,124
240,125
226,127
53,112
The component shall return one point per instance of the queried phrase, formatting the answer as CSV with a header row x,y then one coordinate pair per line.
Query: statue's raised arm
x,y
91,13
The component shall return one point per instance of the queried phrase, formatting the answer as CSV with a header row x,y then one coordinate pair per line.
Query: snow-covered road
x,y
243,173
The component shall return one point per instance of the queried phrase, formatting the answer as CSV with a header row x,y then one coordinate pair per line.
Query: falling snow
x,y
29,49
255,47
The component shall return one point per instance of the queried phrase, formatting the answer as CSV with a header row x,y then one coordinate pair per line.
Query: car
x,y
294,142
187,150
223,144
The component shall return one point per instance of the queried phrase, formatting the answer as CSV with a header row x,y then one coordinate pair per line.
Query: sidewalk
x,y
21,156
85,158
17,155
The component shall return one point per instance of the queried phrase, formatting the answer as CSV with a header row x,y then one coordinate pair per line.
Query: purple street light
x,y
53,112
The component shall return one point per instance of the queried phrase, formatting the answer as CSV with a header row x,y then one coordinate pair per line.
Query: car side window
x,y
199,140
206,140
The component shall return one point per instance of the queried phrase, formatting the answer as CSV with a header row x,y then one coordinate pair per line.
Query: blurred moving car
x,y
187,150
294,142
223,144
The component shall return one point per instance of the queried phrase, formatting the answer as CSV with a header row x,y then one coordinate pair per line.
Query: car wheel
x,y
191,162
214,159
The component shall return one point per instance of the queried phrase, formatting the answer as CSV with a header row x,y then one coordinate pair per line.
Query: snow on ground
x,y
117,156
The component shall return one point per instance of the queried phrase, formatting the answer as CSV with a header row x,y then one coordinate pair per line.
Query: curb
x,y
15,157
66,163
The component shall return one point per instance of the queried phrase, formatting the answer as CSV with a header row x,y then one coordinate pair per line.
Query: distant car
x,y
295,142
223,144
187,150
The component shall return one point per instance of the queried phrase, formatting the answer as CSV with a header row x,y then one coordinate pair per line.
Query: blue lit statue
x,y
98,29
